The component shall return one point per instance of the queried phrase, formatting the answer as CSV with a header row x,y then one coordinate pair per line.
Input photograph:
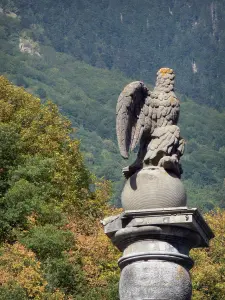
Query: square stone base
x,y
189,218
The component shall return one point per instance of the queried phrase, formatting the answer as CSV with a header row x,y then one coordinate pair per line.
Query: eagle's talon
x,y
130,170
171,163
126,172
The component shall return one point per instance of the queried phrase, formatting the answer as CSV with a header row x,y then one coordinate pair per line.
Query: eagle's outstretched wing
x,y
130,118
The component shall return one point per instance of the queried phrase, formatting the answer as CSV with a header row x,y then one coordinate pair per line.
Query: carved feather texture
x,y
141,114
163,139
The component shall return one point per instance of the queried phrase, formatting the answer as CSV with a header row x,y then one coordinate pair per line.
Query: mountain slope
x,y
138,38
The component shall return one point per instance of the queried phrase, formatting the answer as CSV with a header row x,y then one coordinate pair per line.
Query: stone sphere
x,y
153,187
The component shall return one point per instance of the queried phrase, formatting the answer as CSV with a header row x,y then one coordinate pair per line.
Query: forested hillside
x,y
88,95
138,37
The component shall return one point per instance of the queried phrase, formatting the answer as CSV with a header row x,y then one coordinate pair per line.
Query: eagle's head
x,y
165,79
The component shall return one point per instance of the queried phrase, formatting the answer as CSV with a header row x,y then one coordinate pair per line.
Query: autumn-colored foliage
x,y
20,268
208,274
53,246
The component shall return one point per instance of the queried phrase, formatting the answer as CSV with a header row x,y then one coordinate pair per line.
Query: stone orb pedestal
x,y
153,187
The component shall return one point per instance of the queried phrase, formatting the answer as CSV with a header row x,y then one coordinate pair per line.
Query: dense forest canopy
x,y
139,37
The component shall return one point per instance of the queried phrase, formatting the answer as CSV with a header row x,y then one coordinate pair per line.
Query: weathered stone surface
x,y
174,220
153,188
139,113
155,279
155,243
155,262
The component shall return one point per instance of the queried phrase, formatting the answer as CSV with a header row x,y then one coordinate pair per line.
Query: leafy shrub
x,y
66,275
48,241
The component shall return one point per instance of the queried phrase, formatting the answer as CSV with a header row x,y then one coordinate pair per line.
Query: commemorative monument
x,y
157,230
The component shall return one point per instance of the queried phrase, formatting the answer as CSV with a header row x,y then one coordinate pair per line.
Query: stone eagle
x,y
149,118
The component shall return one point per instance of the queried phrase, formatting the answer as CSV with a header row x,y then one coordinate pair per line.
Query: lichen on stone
x,y
164,71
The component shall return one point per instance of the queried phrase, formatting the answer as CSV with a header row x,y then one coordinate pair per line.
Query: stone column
x,y
156,241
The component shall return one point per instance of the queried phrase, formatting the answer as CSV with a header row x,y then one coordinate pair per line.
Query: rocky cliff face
x,y
26,45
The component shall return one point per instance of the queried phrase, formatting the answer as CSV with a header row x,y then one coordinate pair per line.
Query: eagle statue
x,y
149,118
